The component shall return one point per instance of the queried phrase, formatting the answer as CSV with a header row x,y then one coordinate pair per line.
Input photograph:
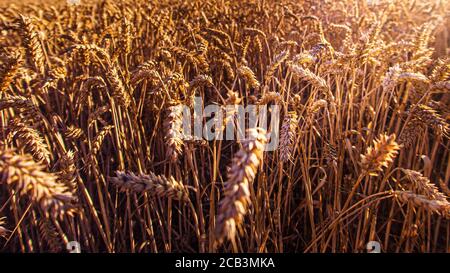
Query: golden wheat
x,y
233,206
96,93
158,185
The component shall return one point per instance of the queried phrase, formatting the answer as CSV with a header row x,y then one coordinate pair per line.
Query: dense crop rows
x,y
90,143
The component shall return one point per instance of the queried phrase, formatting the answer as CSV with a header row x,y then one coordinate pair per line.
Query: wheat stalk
x,y
278,60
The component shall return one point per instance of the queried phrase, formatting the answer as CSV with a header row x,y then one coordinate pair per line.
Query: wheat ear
x,y
30,139
173,129
156,185
23,105
380,154
287,136
29,178
3,230
8,70
68,172
31,43
429,117
249,76
50,236
424,186
421,201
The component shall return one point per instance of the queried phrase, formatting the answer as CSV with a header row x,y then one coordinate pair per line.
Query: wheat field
x,y
91,148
